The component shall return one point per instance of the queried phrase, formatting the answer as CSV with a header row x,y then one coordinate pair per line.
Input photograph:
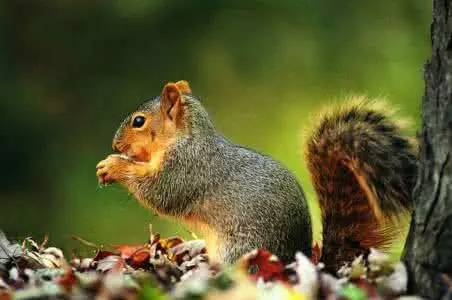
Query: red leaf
x,y
5,296
68,280
139,259
137,256
369,288
127,251
101,254
262,264
316,254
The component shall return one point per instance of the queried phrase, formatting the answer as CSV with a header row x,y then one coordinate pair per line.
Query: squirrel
x,y
171,158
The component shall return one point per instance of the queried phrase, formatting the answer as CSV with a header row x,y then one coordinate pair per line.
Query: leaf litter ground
x,y
173,268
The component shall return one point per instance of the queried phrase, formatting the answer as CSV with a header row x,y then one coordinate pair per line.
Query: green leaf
x,y
149,292
222,281
352,292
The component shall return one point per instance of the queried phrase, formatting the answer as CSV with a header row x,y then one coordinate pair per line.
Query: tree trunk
x,y
428,251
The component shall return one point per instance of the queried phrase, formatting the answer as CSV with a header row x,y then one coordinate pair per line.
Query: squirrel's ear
x,y
183,87
171,100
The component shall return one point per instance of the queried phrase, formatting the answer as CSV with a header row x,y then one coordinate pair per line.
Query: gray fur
x,y
249,199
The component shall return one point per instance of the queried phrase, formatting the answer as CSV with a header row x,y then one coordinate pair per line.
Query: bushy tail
x,y
363,171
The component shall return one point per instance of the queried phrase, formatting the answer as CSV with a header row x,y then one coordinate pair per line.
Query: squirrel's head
x,y
156,124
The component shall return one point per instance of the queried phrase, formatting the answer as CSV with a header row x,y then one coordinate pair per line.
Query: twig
x,y
44,242
85,242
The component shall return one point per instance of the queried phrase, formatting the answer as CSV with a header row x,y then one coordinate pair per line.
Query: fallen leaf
x,y
127,251
352,292
316,254
111,262
396,283
68,280
139,259
170,242
186,250
101,254
263,264
308,277
9,252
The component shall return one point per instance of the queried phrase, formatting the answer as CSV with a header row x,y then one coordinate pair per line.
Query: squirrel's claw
x,y
117,168
105,179
102,175
104,170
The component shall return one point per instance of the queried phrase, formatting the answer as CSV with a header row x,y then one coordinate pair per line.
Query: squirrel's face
x,y
146,134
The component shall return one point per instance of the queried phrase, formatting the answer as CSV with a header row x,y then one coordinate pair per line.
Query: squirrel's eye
x,y
138,121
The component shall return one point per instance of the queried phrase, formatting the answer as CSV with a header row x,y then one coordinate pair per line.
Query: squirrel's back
x,y
249,199
271,201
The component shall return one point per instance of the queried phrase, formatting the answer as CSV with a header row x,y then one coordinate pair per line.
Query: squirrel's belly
x,y
213,242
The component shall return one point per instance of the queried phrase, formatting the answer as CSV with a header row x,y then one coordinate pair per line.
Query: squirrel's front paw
x,y
111,169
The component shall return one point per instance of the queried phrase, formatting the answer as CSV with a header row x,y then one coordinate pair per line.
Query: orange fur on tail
x,y
363,171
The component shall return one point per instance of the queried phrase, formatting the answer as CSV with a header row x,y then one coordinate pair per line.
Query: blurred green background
x,y
71,70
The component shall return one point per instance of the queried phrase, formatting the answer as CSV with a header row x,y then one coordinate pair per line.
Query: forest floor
x,y
173,268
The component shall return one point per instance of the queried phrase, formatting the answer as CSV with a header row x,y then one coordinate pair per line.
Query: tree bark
x,y
428,251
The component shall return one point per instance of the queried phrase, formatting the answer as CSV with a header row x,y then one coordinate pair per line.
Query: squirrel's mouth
x,y
135,154
134,157
130,152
